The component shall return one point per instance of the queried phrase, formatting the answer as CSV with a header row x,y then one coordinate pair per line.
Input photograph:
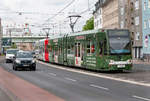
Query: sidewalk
x,y
141,62
139,65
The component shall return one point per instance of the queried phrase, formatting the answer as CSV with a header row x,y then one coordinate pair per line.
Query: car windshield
x,y
11,51
24,55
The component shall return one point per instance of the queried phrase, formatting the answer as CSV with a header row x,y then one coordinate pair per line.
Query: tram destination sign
x,y
80,37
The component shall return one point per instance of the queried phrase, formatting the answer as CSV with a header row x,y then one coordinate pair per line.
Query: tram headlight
x,y
111,61
129,61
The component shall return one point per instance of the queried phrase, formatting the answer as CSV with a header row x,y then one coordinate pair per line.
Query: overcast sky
x,y
36,12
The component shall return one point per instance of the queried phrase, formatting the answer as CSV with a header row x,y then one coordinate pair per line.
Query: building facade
x,y
98,21
1,34
125,14
135,27
110,14
146,28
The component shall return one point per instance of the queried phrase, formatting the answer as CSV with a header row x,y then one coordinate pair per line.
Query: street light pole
x,y
72,24
47,31
88,5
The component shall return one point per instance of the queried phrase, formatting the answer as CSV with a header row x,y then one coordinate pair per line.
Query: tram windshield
x,y
119,42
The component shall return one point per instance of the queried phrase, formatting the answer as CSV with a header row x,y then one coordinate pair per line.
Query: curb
x,y
9,94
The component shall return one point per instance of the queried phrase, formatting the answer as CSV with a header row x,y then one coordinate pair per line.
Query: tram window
x,y
76,49
59,52
88,47
105,47
50,48
69,50
56,50
79,50
43,49
92,48
101,48
72,49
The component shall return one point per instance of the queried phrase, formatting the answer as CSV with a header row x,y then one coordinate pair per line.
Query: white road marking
x,y
100,87
97,75
70,79
53,74
38,72
142,98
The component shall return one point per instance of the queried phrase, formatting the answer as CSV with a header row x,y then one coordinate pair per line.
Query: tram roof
x,y
81,33
76,34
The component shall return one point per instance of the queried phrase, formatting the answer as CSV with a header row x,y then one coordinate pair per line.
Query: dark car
x,y
23,60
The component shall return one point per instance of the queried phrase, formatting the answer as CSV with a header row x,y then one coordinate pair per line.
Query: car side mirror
x,y
14,57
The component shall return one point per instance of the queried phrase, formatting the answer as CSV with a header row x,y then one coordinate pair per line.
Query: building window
x,y
122,11
137,21
100,21
145,26
100,11
148,3
149,23
137,37
137,4
122,24
97,22
144,5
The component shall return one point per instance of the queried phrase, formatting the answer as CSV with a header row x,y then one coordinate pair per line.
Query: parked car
x,y
10,53
23,60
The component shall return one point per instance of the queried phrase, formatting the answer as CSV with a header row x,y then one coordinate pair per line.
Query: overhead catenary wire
x,y
61,10
81,13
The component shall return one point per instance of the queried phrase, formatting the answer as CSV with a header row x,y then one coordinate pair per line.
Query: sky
x,y
40,13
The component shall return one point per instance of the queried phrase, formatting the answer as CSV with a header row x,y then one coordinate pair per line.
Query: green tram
x,y
103,50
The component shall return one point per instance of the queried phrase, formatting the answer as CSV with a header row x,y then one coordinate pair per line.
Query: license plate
x,y
25,65
121,66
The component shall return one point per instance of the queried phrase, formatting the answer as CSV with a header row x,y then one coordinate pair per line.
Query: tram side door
x,y
78,55
65,50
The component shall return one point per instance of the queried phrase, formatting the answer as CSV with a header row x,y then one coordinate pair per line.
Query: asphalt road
x,y
73,86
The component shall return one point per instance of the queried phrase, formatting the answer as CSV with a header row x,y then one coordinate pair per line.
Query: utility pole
x,y
10,36
72,24
60,28
88,4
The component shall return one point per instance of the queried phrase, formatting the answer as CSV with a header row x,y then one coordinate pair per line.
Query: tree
x,y
89,24
13,45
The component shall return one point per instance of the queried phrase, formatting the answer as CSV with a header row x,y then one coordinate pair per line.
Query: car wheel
x,y
15,68
33,68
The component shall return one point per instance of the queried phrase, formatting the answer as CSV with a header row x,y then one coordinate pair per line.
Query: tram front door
x,y
78,55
